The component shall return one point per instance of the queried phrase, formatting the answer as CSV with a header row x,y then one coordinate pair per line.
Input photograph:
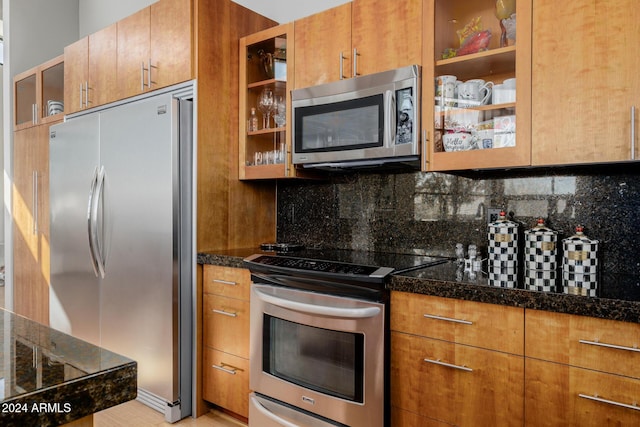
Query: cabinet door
x,y
227,281
386,34
558,394
491,326
459,384
588,342
226,381
170,42
31,223
584,81
133,53
76,73
320,41
102,67
226,325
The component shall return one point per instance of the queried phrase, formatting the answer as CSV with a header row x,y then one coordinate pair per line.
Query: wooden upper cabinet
x,y
321,40
386,34
102,67
90,70
76,74
134,52
508,140
35,90
382,34
584,86
171,53
154,47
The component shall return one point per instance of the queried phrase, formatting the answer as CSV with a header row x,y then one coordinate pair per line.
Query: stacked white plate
x,y
54,107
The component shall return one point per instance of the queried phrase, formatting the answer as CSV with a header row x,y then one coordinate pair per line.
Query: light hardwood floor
x,y
135,414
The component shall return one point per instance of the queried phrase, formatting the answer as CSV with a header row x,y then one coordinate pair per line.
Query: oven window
x,y
344,125
327,361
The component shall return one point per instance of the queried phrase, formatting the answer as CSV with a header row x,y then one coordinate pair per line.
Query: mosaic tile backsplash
x,y
429,213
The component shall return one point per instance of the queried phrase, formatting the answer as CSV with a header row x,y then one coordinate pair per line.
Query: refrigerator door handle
x,y
92,221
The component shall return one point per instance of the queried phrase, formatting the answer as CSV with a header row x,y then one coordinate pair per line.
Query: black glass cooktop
x,y
335,261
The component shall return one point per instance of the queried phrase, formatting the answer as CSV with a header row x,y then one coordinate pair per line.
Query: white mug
x,y
509,83
474,92
503,94
446,90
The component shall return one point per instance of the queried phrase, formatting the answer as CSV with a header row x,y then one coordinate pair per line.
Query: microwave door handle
x,y
390,118
349,313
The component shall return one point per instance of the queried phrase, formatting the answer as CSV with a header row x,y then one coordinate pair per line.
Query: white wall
x,y
284,11
98,14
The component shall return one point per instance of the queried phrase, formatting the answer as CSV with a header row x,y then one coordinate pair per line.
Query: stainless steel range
x,y
320,338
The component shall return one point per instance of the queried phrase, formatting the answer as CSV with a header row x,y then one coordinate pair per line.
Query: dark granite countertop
x,y
51,378
446,280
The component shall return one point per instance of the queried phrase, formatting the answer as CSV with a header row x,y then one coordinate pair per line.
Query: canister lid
x,y
503,223
580,237
541,228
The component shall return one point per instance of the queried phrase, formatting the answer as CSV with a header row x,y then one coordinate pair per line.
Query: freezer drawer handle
x,y
224,282
595,397
229,369
224,312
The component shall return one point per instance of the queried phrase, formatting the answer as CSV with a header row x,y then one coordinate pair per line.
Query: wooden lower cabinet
x,y
226,337
454,383
562,395
226,381
401,417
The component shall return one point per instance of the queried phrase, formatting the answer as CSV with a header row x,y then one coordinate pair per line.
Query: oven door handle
x,y
322,310
267,413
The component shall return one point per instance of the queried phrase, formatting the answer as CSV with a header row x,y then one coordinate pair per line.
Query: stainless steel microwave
x,y
363,122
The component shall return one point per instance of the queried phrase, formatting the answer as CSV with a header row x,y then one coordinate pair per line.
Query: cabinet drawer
x,y
226,324
226,381
603,345
489,326
558,394
455,383
227,281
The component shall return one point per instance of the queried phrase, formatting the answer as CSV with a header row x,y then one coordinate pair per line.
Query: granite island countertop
x,y
621,299
51,378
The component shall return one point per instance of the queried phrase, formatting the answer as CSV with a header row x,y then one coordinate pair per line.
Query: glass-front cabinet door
x,y
265,64
477,95
39,94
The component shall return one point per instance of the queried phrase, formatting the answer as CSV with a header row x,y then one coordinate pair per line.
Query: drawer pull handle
x,y
224,282
448,365
229,369
447,319
617,347
610,402
226,313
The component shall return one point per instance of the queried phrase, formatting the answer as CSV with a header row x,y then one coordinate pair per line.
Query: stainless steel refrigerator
x,y
122,251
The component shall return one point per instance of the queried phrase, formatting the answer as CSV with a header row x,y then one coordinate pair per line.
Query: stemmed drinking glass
x,y
266,105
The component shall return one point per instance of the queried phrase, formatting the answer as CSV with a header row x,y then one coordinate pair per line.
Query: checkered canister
x,y
580,264
540,258
503,243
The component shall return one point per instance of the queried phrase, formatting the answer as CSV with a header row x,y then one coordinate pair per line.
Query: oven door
x,y
321,353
